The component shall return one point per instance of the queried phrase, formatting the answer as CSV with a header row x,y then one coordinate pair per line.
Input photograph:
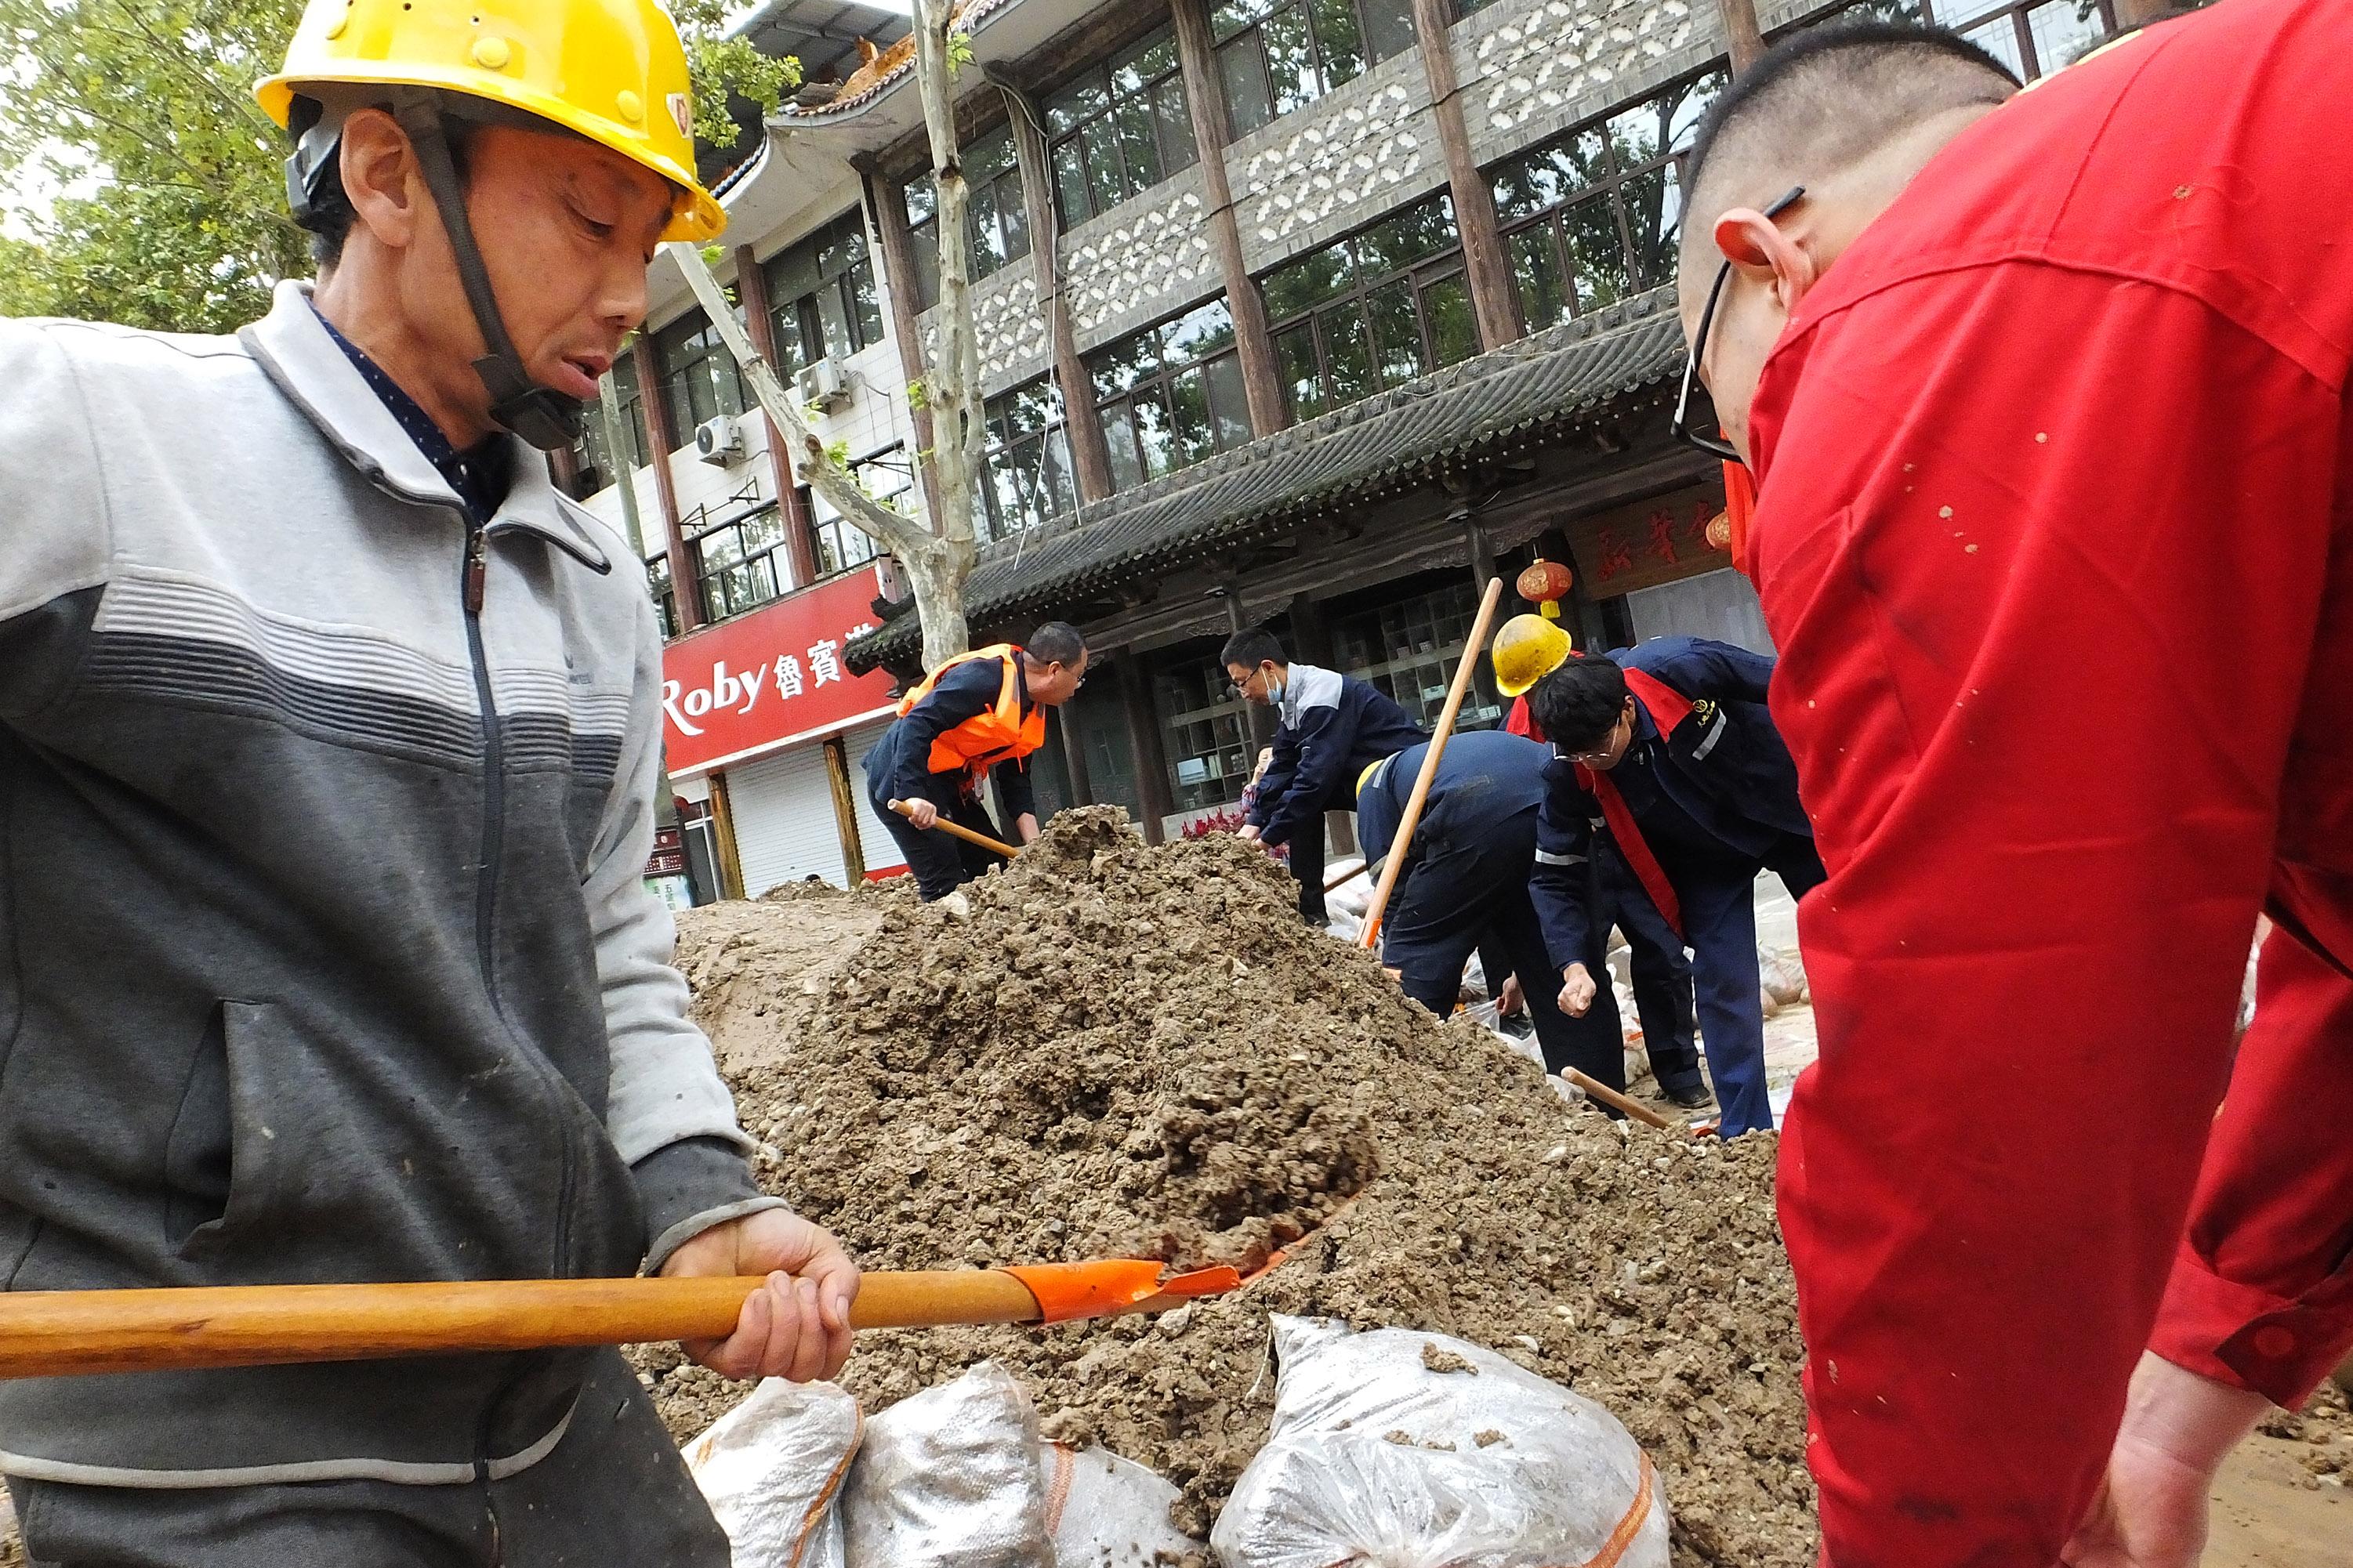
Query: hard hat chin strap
x,y
542,415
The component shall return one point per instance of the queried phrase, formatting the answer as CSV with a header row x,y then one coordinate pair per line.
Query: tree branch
x,y
900,535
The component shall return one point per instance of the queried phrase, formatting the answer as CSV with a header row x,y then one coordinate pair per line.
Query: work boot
x,y
1693,1096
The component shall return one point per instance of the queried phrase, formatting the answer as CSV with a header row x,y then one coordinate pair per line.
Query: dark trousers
x,y
1306,859
1719,909
1661,975
1461,895
941,862
613,1491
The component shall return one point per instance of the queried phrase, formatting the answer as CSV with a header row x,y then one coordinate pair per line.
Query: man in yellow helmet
x,y
1528,648
328,738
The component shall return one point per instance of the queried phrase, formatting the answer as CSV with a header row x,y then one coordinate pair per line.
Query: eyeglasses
x,y
1717,445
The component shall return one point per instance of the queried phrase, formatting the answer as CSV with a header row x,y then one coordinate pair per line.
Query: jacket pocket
x,y
255,1107
196,1153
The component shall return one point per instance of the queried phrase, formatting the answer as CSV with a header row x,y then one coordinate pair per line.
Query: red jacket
x,y
2055,538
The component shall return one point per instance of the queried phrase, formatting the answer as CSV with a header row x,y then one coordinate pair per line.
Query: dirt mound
x,y
1123,1051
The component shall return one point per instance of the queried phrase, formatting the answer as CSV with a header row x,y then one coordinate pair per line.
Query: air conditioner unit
x,y
824,384
719,441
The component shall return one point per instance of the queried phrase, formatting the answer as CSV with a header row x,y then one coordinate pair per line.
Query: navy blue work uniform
x,y
898,765
1332,728
1714,797
1465,886
1656,965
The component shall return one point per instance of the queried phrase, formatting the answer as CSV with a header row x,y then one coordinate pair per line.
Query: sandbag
x,y
950,1479
1105,1511
1406,1450
771,1469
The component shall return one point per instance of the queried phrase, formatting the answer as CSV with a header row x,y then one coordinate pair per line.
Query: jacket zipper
x,y
476,577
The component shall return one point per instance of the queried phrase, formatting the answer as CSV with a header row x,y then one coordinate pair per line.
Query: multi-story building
x,y
1307,313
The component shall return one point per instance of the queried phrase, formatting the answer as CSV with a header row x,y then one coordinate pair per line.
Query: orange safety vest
x,y
986,739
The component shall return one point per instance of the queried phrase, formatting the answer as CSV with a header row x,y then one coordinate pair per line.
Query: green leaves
x,y
168,206
166,198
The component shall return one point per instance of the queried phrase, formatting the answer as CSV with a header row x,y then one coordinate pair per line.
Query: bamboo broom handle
x,y
1472,647
46,1333
957,830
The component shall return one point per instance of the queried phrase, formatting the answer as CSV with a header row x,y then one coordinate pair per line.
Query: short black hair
x,y
1252,648
1056,642
1822,98
331,213
1578,704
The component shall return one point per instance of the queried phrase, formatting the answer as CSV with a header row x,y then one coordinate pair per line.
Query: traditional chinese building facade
x,y
1303,314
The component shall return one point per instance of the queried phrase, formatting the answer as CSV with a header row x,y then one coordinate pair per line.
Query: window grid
x,y
1593,216
700,380
735,544
1118,130
597,469
887,476
996,222
664,593
1276,56
822,296
1379,307
1028,459
2032,37
1171,394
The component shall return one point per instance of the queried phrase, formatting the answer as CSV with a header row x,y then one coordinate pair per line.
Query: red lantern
x,y
1544,582
1719,533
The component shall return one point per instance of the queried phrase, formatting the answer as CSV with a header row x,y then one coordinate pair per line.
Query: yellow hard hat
x,y
611,70
1528,648
1365,777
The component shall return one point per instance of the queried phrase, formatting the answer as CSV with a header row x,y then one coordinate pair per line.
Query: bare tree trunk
x,y
937,561
1741,31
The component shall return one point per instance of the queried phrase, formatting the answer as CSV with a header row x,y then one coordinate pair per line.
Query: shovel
x,y
57,1334
957,830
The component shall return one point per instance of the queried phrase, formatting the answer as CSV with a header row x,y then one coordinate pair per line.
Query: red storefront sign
x,y
764,680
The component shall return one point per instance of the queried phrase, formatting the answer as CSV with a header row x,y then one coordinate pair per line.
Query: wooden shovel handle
x,y
50,1334
1609,1096
957,830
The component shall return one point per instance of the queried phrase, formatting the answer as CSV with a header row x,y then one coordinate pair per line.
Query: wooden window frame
x,y
1069,141
1023,452
1005,199
1163,379
799,319
837,544
1425,274
681,357
1238,44
1610,185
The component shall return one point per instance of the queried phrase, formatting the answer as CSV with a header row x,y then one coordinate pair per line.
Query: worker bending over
x,y
329,737
1528,648
979,716
1464,886
1332,728
1666,751
2031,381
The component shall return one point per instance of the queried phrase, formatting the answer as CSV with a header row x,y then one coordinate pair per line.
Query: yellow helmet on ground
x,y
1528,648
611,70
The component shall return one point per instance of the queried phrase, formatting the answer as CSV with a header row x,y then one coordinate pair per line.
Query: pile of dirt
x,y
1109,1049
2325,1425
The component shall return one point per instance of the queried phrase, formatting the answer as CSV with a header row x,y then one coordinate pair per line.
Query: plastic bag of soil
x,y
1105,1511
1416,1451
950,1476
771,1467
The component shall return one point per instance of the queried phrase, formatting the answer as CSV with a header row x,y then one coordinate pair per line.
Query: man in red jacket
x,y
2040,386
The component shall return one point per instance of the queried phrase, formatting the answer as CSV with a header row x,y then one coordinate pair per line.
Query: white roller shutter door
x,y
880,849
782,807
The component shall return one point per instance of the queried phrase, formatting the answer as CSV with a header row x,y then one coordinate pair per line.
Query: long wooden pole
x,y
57,1334
1472,647
957,830
1609,1096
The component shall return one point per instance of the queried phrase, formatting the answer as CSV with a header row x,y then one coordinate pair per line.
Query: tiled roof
x,y
1239,497
868,81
